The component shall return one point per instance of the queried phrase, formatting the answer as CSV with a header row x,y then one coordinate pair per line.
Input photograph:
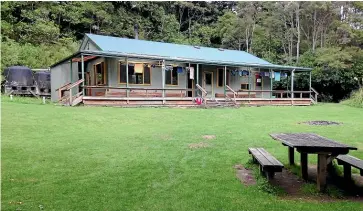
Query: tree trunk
x,y
314,31
181,12
189,30
251,38
298,33
247,46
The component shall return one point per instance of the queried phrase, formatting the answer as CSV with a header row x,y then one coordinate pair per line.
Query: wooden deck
x,y
188,101
181,97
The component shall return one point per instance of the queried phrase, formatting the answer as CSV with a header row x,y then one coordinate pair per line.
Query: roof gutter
x,y
156,57
65,59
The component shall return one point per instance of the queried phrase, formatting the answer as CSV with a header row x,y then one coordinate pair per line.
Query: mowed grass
x,y
98,158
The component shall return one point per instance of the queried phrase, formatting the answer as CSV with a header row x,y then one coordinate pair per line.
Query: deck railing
x,y
204,93
137,92
274,93
66,96
175,94
314,95
231,90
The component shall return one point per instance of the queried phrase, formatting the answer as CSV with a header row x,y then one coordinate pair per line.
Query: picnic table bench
x,y
268,163
309,143
348,161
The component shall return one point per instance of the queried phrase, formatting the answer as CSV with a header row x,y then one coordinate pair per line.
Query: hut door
x,y
208,83
190,85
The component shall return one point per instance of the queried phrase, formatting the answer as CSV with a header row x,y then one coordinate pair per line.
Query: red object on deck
x,y
199,101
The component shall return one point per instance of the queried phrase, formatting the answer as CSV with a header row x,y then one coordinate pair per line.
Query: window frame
x,y
143,73
228,77
255,81
248,86
104,73
171,78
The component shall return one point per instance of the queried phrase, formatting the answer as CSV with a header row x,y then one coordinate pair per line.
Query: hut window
x,y
258,80
171,77
138,74
100,73
220,77
245,86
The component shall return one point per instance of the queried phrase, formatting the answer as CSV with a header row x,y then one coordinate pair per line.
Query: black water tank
x,y
42,79
18,76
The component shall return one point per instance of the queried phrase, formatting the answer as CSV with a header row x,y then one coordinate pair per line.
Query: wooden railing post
x,y
234,93
204,93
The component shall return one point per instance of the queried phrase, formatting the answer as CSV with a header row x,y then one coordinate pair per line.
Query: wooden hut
x,y
129,72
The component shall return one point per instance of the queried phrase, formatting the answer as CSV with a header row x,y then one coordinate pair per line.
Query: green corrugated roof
x,y
115,46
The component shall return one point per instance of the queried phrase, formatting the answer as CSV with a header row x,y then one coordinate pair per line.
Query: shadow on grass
x,y
337,186
289,183
261,181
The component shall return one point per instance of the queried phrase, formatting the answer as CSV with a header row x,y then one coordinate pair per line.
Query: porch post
x,y
71,76
225,80
71,71
249,78
292,83
310,83
259,73
82,60
163,79
270,83
197,77
127,78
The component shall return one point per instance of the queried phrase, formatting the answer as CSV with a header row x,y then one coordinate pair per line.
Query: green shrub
x,y
356,99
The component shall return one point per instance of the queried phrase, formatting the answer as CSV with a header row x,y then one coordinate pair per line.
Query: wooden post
x,y
71,76
197,79
292,83
347,172
70,90
310,83
261,170
163,79
304,165
270,83
270,175
321,176
82,60
249,84
225,80
127,79
291,156
292,87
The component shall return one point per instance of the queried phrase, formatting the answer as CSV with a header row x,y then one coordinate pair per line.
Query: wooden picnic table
x,y
309,143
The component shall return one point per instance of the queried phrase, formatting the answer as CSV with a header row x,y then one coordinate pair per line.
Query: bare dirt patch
x,y
245,175
208,137
165,137
321,122
293,186
289,182
198,145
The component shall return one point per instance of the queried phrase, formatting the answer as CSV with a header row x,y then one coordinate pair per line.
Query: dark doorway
x,y
190,84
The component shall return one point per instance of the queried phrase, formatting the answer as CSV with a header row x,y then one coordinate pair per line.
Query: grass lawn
x,y
98,158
